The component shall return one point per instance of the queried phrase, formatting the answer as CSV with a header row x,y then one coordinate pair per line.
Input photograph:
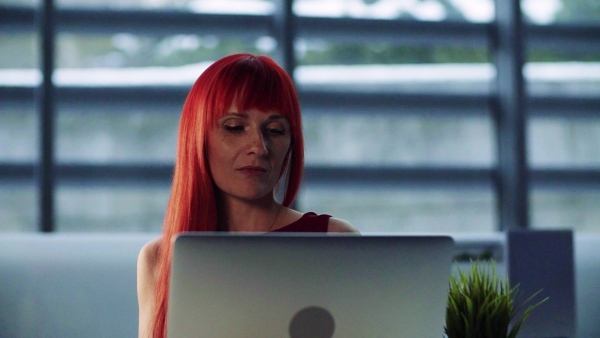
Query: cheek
x,y
283,151
215,151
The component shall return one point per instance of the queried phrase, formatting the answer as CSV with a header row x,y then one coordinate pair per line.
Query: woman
x,y
240,133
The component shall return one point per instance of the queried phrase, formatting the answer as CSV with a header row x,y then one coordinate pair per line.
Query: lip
x,y
253,170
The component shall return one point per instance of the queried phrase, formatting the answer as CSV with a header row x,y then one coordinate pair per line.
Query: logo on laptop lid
x,y
312,322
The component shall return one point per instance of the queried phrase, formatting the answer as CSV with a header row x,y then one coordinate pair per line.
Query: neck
x,y
248,216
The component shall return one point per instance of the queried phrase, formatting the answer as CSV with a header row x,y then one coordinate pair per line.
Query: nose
x,y
258,144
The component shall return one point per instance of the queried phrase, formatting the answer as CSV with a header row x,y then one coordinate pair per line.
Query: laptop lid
x,y
308,285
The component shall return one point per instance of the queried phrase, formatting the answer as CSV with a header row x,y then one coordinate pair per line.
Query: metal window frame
x,y
507,38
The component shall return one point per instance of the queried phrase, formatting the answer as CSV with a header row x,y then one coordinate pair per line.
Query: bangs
x,y
250,83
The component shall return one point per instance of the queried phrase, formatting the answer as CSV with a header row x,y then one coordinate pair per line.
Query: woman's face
x,y
246,151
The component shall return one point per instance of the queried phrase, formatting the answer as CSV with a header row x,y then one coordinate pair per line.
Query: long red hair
x,y
252,82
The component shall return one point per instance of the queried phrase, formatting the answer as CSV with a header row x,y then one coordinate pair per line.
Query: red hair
x,y
252,82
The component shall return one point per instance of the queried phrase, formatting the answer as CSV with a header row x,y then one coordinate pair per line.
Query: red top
x,y
309,222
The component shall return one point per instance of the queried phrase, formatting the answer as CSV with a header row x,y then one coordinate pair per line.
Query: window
x,y
407,109
562,74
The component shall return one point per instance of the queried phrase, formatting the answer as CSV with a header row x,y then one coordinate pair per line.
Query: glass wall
x,y
564,137
19,56
407,87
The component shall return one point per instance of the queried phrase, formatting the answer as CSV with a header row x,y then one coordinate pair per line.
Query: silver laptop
x,y
308,285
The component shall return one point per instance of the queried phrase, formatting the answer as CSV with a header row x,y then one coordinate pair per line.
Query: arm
x,y
146,282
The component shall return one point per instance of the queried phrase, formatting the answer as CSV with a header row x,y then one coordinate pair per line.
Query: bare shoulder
x,y
147,264
147,276
340,225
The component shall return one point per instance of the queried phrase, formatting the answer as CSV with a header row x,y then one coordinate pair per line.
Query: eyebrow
x,y
277,117
233,114
244,115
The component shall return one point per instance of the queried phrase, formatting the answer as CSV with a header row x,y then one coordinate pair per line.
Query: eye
x,y
233,128
275,131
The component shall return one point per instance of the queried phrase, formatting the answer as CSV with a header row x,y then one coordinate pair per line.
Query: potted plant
x,y
482,305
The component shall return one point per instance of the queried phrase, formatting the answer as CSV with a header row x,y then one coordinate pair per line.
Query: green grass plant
x,y
482,305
